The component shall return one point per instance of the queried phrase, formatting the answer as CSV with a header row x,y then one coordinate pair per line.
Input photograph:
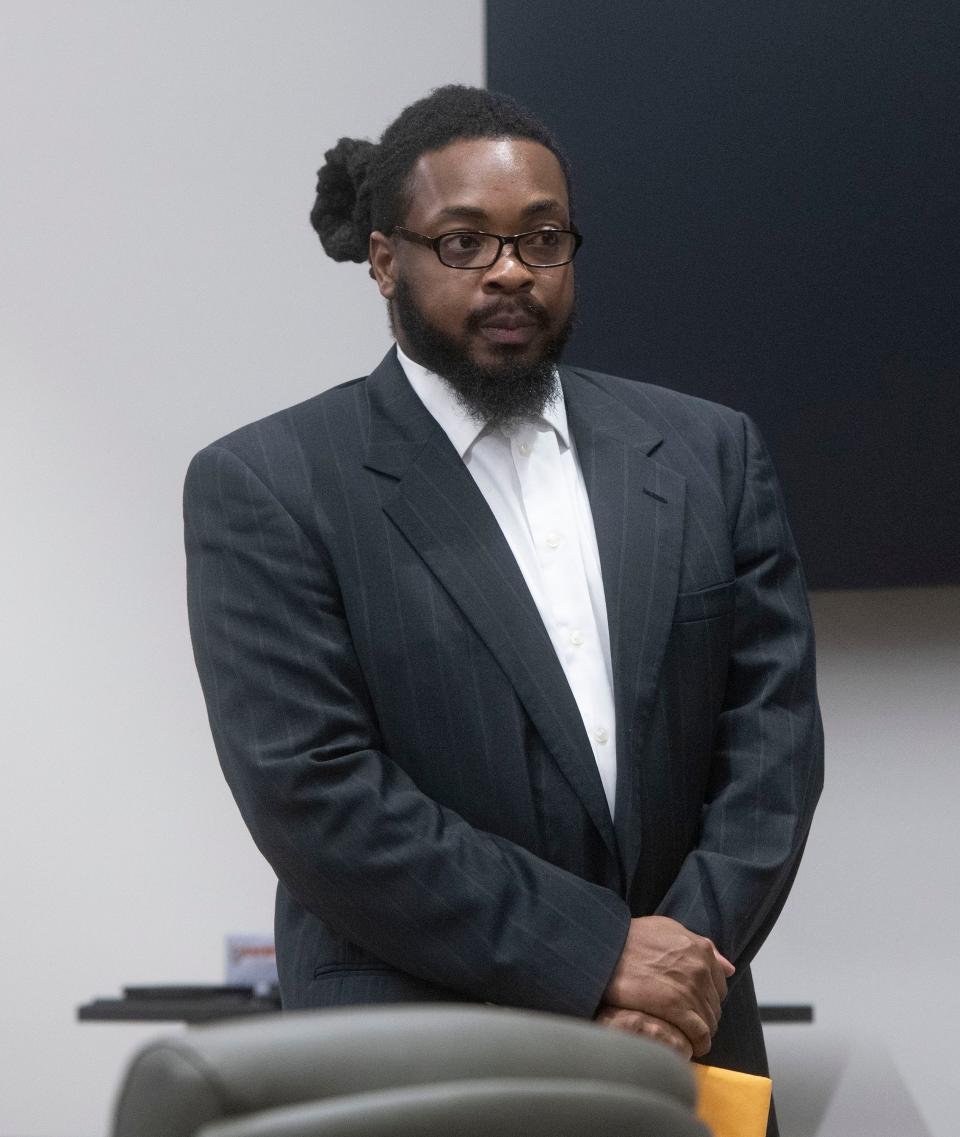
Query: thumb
x,y
728,968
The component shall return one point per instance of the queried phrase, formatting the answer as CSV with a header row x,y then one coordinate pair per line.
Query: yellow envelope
x,y
730,1103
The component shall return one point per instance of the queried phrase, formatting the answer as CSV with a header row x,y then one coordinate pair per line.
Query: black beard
x,y
504,394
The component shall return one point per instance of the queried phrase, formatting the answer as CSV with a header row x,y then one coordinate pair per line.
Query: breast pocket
x,y
705,604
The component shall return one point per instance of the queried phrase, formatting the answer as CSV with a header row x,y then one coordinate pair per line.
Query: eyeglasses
x,y
467,248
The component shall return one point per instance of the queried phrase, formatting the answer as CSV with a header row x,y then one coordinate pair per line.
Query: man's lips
x,y
511,327
518,320
509,333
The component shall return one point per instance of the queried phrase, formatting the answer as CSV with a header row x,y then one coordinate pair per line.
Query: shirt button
x,y
553,540
576,638
601,734
524,448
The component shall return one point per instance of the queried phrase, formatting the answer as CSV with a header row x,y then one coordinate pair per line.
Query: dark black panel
x,y
770,196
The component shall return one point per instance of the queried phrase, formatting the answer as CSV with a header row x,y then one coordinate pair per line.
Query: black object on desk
x,y
182,1003
786,1013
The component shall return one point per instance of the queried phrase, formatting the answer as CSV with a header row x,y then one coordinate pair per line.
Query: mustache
x,y
512,307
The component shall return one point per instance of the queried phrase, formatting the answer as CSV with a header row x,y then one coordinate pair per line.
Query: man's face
x,y
492,333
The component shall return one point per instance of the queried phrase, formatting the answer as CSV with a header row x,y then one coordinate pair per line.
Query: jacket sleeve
x,y
767,768
344,828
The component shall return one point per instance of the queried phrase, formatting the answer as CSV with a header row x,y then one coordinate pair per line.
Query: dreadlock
x,y
362,187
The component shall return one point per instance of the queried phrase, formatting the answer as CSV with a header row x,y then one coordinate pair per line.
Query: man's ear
x,y
383,263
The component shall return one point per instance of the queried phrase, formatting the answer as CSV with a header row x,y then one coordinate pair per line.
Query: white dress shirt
x,y
532,481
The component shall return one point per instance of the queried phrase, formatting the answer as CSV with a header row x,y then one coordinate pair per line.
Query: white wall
x,y
160,285
870,934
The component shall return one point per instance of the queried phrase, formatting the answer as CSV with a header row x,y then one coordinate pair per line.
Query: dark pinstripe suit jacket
x,y
399,734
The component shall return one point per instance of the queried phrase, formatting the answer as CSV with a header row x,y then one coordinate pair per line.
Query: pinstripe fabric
x,y
401,739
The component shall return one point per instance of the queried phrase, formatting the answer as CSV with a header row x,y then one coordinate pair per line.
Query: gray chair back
x,y
377,1069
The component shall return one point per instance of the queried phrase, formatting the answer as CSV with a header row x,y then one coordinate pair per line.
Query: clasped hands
x,y
669,985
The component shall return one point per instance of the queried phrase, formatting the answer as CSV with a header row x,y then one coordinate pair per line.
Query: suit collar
x,y
638,509
400,425
594,409
457,423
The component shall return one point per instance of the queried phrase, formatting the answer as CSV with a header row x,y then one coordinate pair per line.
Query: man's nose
x,y
508,273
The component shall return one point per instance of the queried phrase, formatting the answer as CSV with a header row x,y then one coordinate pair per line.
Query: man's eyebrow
x,y
475,213
546,205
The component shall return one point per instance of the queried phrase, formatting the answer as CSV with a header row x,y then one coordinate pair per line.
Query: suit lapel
x,y
638,508
440,510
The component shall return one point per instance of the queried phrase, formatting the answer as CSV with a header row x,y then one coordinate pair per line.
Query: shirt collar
x,y
460,426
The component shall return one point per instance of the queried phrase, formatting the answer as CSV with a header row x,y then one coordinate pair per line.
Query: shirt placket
x,y
572,625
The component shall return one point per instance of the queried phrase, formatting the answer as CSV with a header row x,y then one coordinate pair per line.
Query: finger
x,y
637,1022
726,965
706,998
712,1000
708,1009
705,980
720,970
608,1015
718,982
694,1028
664,1032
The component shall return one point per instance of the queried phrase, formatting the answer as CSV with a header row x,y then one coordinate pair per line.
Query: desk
x,y
203,1008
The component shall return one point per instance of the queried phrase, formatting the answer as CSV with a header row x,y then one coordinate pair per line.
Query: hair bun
x,y
341,212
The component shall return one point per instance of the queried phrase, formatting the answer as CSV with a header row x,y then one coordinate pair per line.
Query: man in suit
x,y
508,664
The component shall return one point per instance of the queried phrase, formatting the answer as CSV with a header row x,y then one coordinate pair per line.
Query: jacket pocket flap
x,y
705,604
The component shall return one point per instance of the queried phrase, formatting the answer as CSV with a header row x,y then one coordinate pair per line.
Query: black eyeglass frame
x,y
434,243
